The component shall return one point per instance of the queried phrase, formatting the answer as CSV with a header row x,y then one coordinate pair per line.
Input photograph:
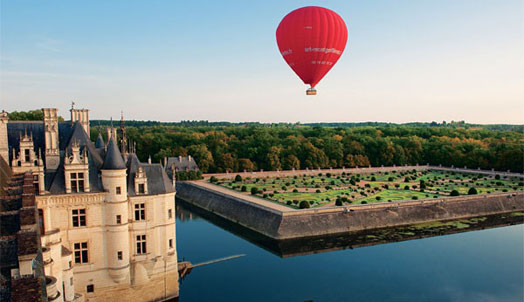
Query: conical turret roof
x,y
113,160
100,142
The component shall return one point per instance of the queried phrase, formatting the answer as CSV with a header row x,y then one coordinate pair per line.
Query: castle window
x,y
77,182
118,190
79,217
90,288
141,244
80,249
170,243
41,221
71,281
140,211
141,188
119,255
36,185
26,155
118,219
170,213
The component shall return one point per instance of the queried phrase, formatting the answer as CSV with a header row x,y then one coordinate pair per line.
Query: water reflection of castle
x,y
107,220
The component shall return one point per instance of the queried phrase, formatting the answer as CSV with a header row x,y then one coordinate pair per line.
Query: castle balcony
x,y
46,255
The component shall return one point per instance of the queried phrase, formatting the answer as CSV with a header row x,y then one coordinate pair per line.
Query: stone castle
x,y
107,220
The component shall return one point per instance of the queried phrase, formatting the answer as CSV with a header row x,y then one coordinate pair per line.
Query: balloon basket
x,y
311,91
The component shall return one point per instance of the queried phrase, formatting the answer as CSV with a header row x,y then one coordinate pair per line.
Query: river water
x,y
483,265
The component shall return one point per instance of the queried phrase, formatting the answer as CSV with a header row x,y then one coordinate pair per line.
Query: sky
x,y
218,61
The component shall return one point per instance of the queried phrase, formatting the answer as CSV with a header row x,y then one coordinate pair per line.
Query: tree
x,y
254,190
291,162
472,191
245,164
213,179
243,189
202,156
273,158
238,178
304,204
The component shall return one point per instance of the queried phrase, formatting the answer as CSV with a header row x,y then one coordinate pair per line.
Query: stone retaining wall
x,y
327,221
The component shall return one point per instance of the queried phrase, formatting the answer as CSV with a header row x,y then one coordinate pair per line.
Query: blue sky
x,y
218,60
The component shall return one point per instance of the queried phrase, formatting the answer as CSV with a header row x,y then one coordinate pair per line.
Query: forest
x,y
239,147
221,146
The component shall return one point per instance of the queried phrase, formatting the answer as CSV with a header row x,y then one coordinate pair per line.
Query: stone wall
x,y
326,221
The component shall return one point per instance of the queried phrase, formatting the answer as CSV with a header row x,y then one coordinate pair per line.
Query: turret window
x,y
77,182
118,219
170,213
140,211
119,255
170,243
81,255
36,184
118,190
141,244
141,188
79,217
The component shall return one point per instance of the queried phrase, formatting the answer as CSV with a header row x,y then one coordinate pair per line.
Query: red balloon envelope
x,y
311,39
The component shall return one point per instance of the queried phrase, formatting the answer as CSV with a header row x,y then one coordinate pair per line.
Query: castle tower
x,y
114,181
52,153
4,145
82,116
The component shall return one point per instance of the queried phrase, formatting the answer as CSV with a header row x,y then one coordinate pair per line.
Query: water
x,y
484,265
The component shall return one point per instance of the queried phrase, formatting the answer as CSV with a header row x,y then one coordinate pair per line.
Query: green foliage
x,y
238,178
213,179
338,202
31,115
218,147
454,193
472,191
191,175
243,189
254,190
304,204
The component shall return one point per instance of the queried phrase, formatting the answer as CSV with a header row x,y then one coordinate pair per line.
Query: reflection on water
x,y
469,266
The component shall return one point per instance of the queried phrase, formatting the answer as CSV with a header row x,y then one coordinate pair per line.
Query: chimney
x,y
82,116
189,158
4,145
149,160
52,153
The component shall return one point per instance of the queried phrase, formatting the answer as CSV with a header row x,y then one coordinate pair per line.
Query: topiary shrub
x,y
213,179
295,191
414,197
373,178
254,190
243,189
406,187
318,191
238,178
338,202
304,204
289,202
472,191
454,193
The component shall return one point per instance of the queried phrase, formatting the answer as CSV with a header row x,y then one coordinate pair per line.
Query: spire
x,y
100,141
113,160
123,137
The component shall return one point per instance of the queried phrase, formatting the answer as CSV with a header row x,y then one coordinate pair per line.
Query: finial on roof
x,y
72,105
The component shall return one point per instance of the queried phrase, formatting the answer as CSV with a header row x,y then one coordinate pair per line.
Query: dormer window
x,y
77,182
141,181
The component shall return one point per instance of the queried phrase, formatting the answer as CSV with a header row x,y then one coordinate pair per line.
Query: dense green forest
x,y
254,146
221,146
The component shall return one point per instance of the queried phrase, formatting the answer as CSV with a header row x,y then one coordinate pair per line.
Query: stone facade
x,y
107,220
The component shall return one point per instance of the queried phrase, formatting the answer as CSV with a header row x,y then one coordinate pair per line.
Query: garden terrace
x,y
310,189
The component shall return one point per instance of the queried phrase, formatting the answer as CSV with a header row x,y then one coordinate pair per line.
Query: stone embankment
x,y
279,222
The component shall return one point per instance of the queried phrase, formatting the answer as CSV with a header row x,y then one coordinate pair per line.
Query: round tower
x,y
114,181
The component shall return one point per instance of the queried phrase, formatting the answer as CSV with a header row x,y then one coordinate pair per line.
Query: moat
x,y
477,265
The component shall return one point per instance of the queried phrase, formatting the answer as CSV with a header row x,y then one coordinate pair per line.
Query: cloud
x,y
50,45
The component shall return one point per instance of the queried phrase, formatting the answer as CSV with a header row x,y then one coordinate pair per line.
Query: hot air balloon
x,y
311,39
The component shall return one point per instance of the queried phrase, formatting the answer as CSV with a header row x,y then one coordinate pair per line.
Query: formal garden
x,y
328,189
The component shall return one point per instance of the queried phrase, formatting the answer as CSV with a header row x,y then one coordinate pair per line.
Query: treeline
x,y
288,146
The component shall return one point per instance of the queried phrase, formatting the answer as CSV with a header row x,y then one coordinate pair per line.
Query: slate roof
x,y
100,142
69,133
182,163
114,159
157,180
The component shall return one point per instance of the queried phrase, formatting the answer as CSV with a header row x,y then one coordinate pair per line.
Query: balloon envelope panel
x,y
311,39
